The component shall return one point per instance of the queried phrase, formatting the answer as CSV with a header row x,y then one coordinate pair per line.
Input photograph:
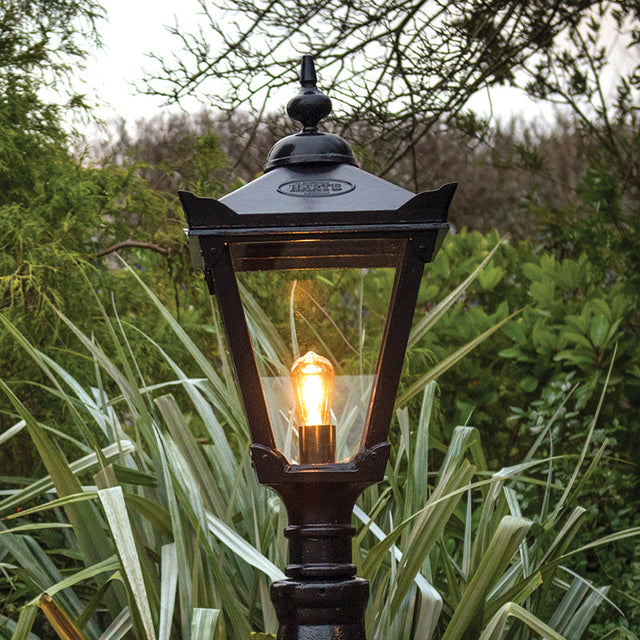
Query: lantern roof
x,y
312,189
313,171
316,188
311,179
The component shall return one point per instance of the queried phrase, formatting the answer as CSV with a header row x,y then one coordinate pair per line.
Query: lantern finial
x,y
310,105
309,146
308,76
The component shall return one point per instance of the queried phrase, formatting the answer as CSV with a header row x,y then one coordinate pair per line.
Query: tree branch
x,y
125,244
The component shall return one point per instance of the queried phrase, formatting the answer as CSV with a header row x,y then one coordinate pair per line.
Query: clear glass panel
x,y
340,316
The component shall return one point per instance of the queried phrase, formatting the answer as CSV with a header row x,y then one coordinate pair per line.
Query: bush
x,y
569,320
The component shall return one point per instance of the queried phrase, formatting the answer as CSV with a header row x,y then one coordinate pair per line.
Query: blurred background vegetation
x,y
559,200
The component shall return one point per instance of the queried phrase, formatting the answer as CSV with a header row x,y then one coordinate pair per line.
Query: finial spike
x,y
308,76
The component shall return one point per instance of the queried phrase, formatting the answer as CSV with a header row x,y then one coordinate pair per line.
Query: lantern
x,y
314,209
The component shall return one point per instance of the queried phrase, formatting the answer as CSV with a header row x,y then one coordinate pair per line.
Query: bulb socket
x,y
317,443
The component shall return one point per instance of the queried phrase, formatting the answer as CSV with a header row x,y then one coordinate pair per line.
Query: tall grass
x,y
143,529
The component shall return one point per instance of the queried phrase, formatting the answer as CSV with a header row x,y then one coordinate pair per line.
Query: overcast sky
x,y
136,27
133,29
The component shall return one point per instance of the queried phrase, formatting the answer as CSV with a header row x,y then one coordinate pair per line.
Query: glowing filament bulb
x,y
312,381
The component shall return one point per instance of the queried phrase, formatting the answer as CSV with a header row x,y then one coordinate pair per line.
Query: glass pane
x,y
338,315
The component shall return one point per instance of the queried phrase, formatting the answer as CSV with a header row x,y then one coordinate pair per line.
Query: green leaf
x,y
242,548
577,339
505,542
204,624
515,331
543,292
83,496
118,520
36,526
420,475
157,515
26,619
107,565
599,330
125,475
529,384
12,431
495,629
168,587
120,626
512,352
532,271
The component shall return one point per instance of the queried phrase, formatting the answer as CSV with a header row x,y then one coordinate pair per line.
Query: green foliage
x,y
62,219
54,219
604,223
570,321
574,321
45,36
42,44
160,518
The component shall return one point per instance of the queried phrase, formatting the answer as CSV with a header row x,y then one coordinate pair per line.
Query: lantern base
x,y
320,610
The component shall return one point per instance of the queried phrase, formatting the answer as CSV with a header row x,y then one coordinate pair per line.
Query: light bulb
x,y
312,381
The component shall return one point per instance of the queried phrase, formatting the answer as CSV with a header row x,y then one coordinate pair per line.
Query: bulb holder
x,y
316,444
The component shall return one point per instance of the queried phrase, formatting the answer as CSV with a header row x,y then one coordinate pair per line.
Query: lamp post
x,y
315,209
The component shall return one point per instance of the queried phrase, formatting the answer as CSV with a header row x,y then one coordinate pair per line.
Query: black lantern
x,y
315,209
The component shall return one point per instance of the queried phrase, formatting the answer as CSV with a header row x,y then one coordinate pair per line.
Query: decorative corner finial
x,y
310,105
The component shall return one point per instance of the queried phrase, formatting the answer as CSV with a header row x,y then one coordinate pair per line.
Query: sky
x,y
136,27
132,30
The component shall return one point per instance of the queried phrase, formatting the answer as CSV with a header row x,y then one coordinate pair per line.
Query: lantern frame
x,y
229,242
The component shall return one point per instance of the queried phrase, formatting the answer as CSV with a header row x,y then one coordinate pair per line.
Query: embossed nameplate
x,y
315,188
